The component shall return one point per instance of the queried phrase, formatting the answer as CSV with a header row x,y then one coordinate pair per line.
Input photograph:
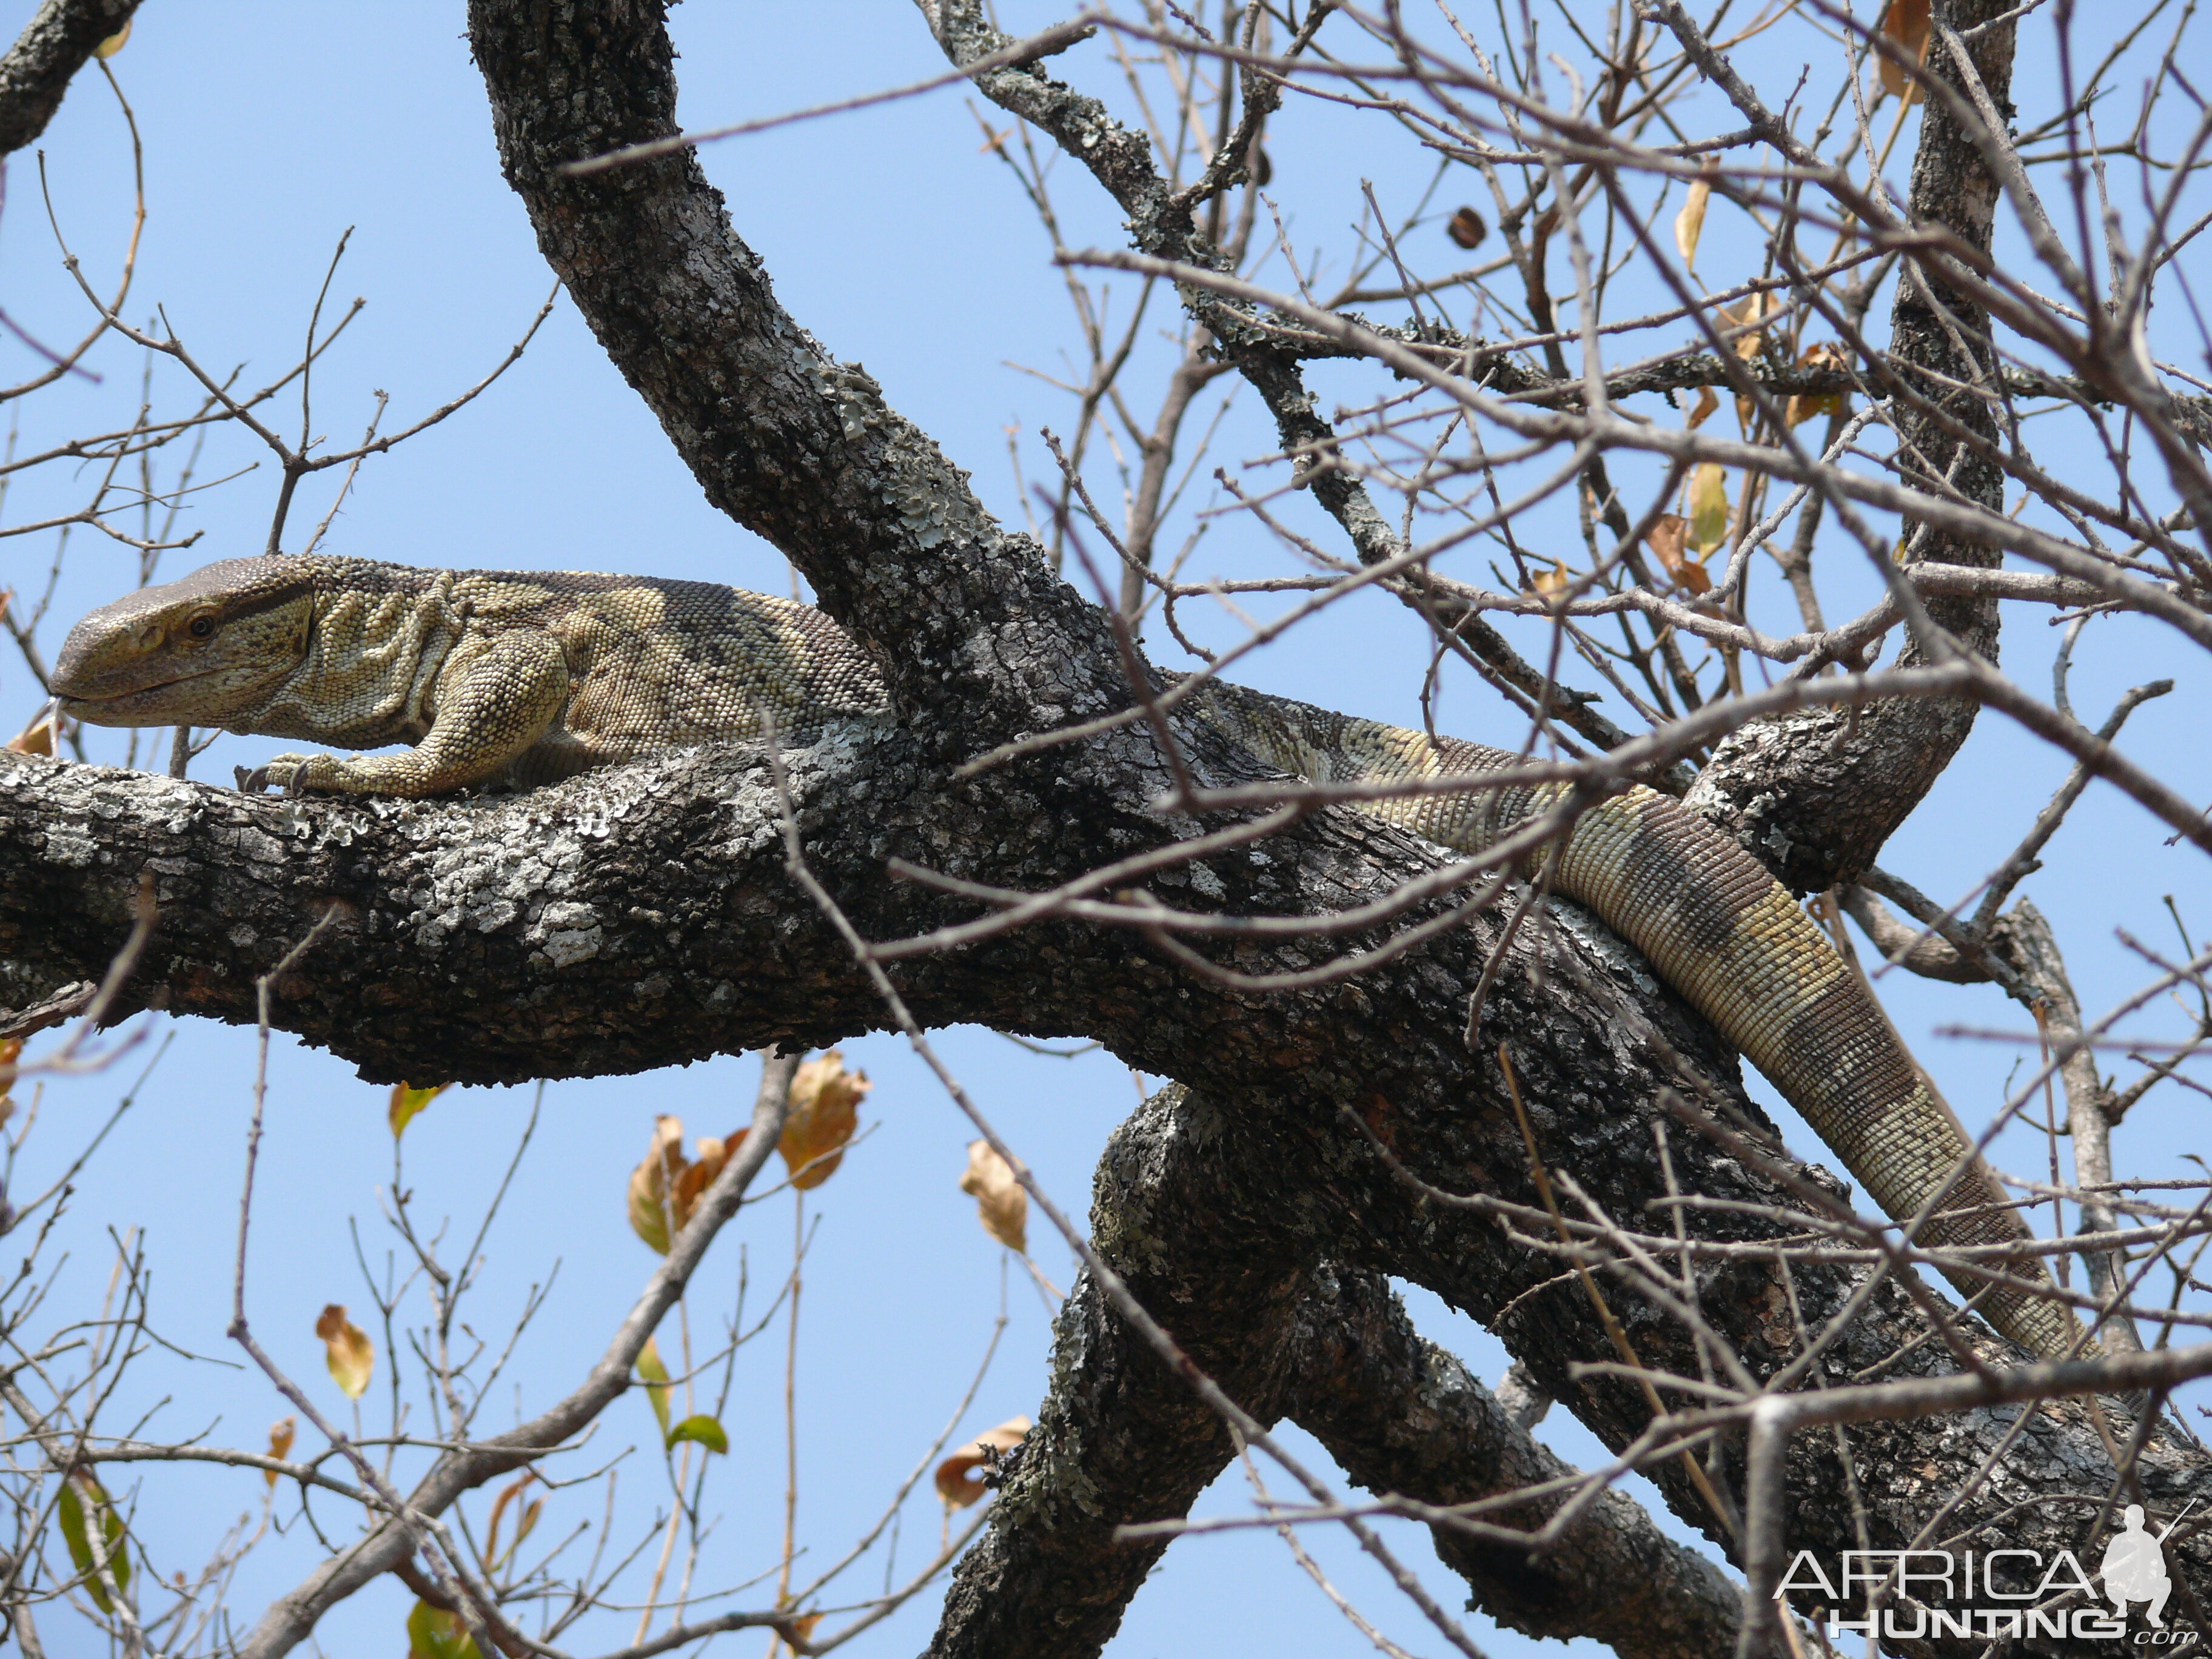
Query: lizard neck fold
x,y
370,675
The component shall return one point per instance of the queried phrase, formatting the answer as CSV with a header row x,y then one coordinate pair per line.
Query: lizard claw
x,y
286,773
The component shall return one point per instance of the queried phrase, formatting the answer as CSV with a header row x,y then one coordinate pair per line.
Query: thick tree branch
x,y
36,73
1814,796
1402,1416
641,916
791,443
1122,1440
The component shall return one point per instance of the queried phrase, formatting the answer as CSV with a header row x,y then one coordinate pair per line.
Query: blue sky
x,y
269,130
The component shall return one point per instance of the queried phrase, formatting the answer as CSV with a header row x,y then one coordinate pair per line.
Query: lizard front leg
x,y
503,703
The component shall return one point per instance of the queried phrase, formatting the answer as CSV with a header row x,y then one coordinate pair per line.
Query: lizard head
x,y
194,652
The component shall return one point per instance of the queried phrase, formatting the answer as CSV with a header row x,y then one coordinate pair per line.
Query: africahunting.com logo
x,y
2002,1592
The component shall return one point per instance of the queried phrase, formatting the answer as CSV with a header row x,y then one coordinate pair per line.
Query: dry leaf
x,y
1669,539
1001,1204
348,1352
1748,315
1709,506
959,1477
665,1187
11,1050
802,1626
691,1185
1550,583
528,1519
36,738
1752,309
114,44
1690,222
1706,403
652,1185
1803,406
406,1101
281,1435
1466,229
825,1100
1906,22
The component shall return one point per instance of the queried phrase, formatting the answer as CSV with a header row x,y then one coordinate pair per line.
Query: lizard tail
x,y
1721,931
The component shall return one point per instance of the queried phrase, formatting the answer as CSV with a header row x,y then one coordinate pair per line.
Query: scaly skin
x,y
1728,937
520,678
494,676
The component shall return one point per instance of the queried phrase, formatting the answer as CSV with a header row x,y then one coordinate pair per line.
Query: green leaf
x,y
1709,506
704,1430
433,1634
77,1491
654,1375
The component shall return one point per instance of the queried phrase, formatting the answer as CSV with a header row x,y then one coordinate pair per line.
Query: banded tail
x,y
1721,931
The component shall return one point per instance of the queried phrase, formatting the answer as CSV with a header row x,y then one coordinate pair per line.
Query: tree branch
x,y
1814,796
36,73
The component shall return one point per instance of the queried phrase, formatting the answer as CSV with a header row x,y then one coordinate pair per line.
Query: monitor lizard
x,y
521,678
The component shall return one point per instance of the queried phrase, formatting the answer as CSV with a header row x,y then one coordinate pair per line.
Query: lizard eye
x,y
200,627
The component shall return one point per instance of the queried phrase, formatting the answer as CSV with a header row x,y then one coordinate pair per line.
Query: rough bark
x,y
36,73
1120,1439
965,620
1815,795
642,916
1400,1415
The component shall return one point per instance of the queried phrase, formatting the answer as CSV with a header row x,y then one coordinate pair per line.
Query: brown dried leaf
x,y
36,738
802,1626
1466,229
653,1184
1001,1204
692,1184
666,1187
825,1102
1906,22
348,1351
1706,403
1752,309
1669,540
280,1436
499,1505
1803,406
959,1481
1550,583
1690,222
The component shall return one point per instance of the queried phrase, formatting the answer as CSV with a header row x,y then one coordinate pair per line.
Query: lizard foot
x,y
287,772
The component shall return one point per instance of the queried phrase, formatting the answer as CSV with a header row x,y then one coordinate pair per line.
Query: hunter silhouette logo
x,y
1915,1594
2134,1567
